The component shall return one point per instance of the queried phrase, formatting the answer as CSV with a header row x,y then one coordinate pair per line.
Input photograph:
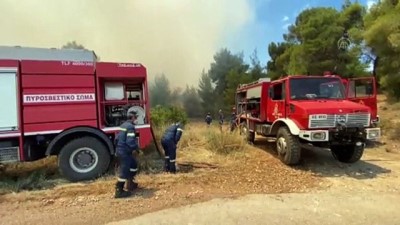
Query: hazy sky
x,y
176,37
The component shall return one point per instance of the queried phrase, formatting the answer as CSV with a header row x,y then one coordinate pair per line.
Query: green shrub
x,y
162,116
390,83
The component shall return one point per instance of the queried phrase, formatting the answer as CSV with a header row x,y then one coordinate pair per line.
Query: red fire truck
x,y
300,111
65,103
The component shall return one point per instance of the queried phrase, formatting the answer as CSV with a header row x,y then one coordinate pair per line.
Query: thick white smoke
x,y
177,37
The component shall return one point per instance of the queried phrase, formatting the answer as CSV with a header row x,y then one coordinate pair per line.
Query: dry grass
x,y
198,144
36,175
390,118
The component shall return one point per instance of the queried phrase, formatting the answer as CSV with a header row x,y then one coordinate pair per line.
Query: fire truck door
x,y
363,90
8,100
276,101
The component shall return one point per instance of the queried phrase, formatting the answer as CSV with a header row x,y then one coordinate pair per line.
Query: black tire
x,y
246,133
288,147
346,153
99,156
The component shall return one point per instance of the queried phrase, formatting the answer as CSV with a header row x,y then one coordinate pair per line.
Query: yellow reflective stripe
x,y
174,160
131,134
121,180
133,170
180,129
122,129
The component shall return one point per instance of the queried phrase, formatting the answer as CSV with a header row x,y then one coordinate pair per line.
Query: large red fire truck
x,y
63,102
299,111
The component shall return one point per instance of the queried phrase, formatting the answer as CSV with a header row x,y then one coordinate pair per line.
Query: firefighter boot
x,y
166,165
131,185
119,190
172,167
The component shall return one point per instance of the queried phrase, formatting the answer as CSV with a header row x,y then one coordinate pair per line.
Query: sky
x,y
174,37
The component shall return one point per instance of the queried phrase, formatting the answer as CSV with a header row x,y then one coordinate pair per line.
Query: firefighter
x,y
221,119
126,145
208,119
233,119
169,140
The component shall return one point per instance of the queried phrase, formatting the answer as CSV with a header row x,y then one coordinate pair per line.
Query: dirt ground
x,y
253,171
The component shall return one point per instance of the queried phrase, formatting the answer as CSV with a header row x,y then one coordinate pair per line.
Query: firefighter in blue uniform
x,y
208,119
126,145
169,140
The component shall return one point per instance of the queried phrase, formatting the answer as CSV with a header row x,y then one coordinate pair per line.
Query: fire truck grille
x,y
9,154
350,120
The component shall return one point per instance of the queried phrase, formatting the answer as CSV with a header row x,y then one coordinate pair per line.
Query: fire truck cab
x,y
361,90
299,111
65,103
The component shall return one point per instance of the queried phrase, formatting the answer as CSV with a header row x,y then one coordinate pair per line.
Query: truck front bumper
x,y
371,134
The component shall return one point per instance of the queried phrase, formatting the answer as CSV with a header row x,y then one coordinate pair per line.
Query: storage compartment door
x,y
8,100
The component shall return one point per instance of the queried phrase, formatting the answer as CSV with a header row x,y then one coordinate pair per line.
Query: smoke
x,y
175,37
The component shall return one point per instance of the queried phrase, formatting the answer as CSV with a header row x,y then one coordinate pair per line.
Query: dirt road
x,y
367,192
313,209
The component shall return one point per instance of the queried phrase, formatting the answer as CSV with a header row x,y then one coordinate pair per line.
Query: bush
x,y
224,142
162,116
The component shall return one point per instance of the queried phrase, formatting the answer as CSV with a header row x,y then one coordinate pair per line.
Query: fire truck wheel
x,y
247,135
288,147
84,158
347,154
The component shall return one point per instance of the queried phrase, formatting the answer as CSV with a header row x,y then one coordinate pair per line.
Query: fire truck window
x,y
352,91
316,88
114,91
330,90
278,91
133,91
361,88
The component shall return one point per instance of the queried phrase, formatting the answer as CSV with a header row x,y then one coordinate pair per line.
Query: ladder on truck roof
x,y
49,54
261,80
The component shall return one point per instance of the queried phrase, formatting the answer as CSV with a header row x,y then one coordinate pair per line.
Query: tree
x,y
191,102
280,55
206,93
234,78
310,46
176,97
256,71
160,91
382,36
224,62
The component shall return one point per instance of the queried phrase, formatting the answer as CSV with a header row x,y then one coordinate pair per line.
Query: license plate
x,y
319,117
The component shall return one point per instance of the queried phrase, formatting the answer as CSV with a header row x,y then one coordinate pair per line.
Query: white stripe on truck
x,y
59,131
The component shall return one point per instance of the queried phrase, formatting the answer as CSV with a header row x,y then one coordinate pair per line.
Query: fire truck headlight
x,y
373,133
318,136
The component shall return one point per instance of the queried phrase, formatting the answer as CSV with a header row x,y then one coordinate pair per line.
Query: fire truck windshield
x,y
316,88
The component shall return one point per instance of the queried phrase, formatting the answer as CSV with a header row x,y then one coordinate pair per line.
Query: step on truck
x,y
303,111
66,103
